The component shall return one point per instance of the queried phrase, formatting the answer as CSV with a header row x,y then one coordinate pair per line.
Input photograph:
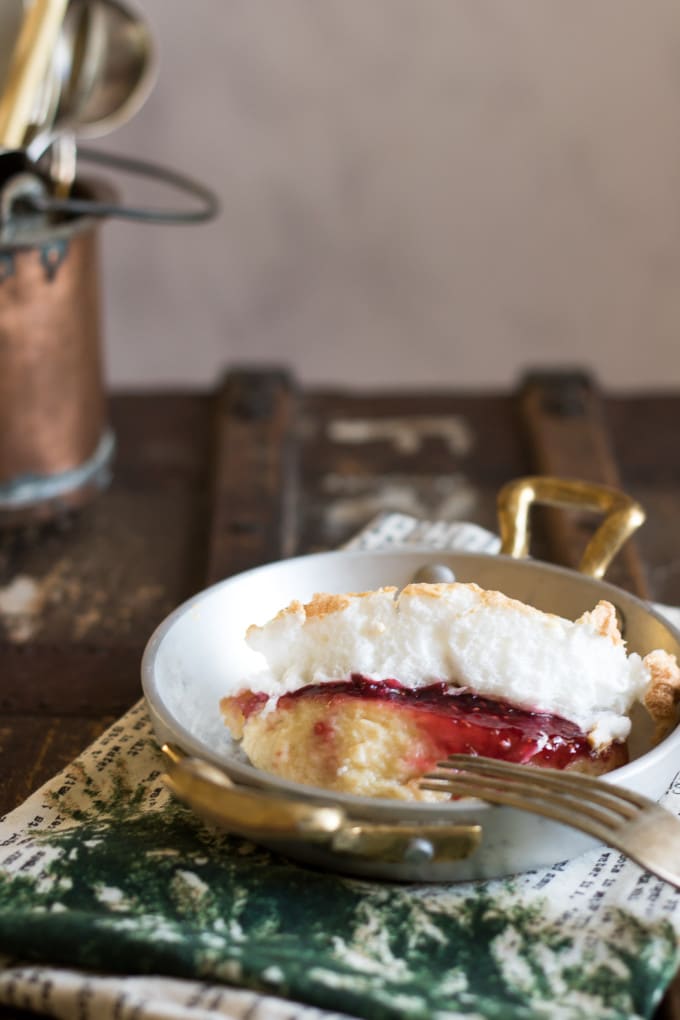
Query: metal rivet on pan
x,y
418,851
434,573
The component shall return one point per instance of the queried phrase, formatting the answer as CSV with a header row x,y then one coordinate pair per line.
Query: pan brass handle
x,y
213,796
262,817
623,516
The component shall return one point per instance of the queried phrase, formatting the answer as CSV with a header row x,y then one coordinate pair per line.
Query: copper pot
x,y
55,444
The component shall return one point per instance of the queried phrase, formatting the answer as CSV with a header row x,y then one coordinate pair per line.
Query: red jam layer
x,y
457,721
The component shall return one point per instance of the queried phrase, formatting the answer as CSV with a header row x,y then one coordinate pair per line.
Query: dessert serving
x,y
364,693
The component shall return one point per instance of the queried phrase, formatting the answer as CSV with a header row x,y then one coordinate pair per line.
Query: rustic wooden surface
x,y
206,485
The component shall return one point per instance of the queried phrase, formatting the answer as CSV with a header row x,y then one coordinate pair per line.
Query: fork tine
x,y
588,798
522,786
626,802
510,797
643,830
544,774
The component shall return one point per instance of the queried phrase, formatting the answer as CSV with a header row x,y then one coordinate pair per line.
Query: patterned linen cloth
x,y
115,902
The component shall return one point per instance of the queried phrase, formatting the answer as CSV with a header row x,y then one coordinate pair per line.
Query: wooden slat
x,y
252,498
564,421
70,679
345,482
33,748
670,1006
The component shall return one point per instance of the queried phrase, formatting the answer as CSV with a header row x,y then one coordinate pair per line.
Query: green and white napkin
x,y
116,903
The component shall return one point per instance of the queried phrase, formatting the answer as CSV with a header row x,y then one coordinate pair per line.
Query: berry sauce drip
x,y
457,721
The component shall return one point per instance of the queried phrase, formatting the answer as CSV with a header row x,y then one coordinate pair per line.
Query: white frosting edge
x,y
459,633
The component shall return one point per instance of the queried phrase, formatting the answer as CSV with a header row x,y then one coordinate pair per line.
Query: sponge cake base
x,y
377,739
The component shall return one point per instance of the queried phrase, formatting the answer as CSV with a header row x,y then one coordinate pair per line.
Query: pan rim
x,y
355,805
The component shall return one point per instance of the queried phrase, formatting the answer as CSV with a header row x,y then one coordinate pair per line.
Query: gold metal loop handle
x,y
623,516
213,796
272,819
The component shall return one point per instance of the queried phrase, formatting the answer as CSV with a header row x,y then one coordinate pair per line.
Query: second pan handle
x,y
623,516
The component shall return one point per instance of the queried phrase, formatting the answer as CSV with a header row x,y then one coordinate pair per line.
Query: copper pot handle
x,y
623,516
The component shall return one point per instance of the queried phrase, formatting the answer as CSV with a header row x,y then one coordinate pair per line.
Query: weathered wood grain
x,y
564,421
253,478
207,484
34,747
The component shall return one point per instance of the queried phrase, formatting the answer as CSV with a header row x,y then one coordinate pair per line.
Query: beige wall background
x,y
413,192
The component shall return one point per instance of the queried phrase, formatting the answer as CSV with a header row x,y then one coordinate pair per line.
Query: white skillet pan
x,y
199,653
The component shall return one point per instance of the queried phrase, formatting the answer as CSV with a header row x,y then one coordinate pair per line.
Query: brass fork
x,y
640,828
